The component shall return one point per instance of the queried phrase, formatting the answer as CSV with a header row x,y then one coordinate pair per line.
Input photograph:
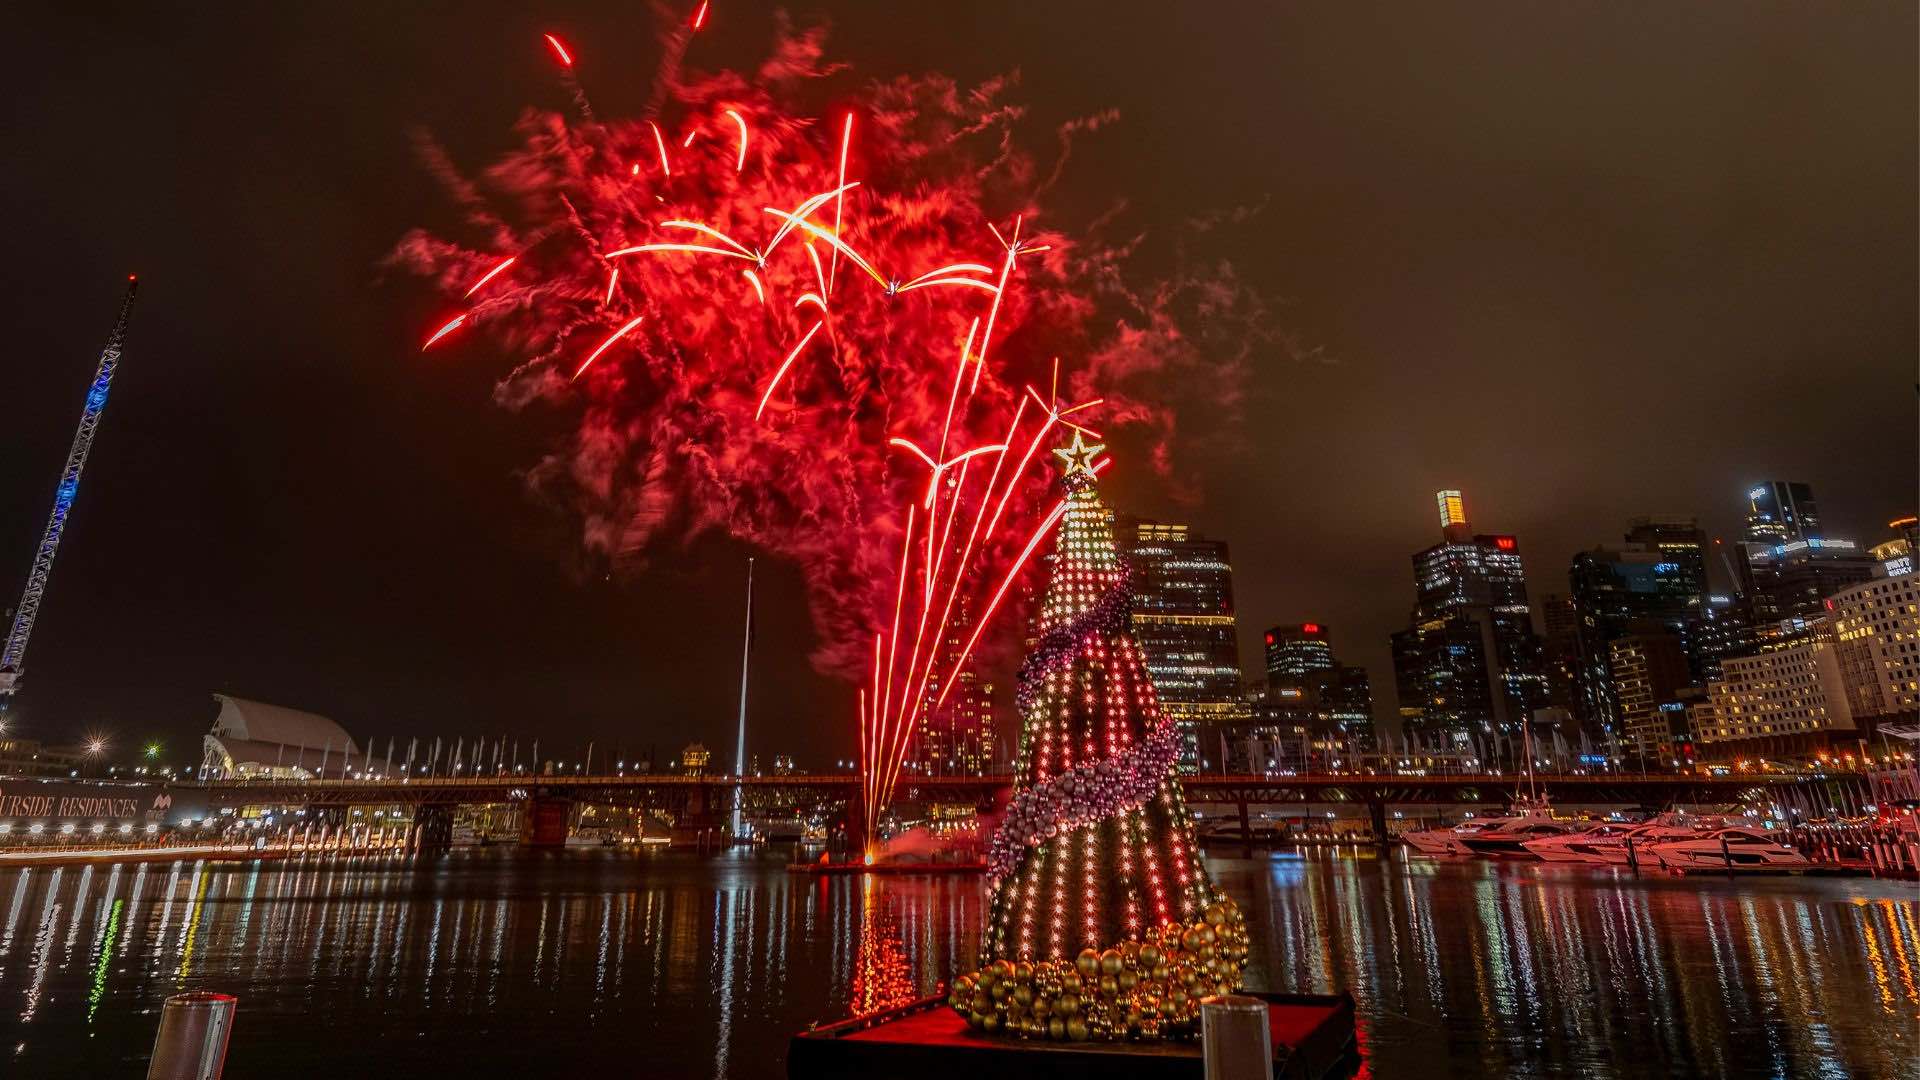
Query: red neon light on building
x,y
1310,628
1504,543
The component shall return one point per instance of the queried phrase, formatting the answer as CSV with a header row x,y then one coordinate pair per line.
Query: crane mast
x,y
13,657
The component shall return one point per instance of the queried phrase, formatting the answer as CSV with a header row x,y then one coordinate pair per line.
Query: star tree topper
x,y
1078,455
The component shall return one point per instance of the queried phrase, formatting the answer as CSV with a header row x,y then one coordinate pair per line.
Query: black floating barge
x,y
1313,1039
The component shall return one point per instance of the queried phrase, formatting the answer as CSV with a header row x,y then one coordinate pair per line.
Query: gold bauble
x,y
990,1022
1056,1029
1108,986
1077,1029
1215,915
1149,955
1158,971
1042,1008
1023,972
1087,963
1128,979
1068,1004
1001,990
1023,995
1001,969
1192,941
1111,963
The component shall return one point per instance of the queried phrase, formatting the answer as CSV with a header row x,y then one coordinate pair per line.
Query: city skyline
x,y
288,503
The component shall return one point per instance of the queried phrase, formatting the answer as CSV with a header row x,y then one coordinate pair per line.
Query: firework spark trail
x,y
676,434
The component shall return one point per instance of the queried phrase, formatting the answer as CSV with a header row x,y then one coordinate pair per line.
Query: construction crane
x,y
13,658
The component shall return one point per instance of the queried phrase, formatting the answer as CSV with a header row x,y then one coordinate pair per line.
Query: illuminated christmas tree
x,y
1103,923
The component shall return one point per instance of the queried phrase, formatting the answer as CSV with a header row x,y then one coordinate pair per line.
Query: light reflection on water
x,y
492,963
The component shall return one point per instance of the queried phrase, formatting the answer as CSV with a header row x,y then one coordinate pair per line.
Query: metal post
x,y
1235,1040
1726,855
192,1041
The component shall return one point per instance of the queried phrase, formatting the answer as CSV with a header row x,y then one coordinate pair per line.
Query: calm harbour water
x,y
499,964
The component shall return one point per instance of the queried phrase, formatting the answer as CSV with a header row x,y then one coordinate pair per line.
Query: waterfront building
x,y
31,757
1876,631
695,759
252,739
1468,665
1294,649
1649,673
1184,620
1778,702
1896,555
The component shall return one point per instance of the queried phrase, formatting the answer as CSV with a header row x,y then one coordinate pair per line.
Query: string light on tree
x,y
1102,924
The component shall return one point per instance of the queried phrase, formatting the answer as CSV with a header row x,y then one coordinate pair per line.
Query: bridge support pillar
x,y
544,820
433,827
1377,818
699,826
1246,832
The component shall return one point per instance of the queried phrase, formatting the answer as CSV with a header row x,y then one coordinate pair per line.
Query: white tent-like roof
x,y
255,738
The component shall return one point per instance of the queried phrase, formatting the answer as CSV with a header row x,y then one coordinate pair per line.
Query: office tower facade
x,y
1560,652
1792,579
956,739
1648,672
1341,701
1295,649
1655,583
1781,510
1184,620
1468,666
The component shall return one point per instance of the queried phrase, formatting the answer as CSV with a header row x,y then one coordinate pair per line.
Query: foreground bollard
x,y
1235,1042
192,1042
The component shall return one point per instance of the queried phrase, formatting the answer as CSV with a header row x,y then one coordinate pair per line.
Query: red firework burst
x,y
812,332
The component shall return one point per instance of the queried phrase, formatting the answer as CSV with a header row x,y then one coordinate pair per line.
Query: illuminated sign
x,y
1310,628
1757,493
1900,566
41,800
1505,543
1453,508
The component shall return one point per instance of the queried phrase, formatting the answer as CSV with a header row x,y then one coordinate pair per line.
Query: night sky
x,y
1581,260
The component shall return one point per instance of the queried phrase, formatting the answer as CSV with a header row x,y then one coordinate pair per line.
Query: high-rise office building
x,y
1791,580
1295,649
956,739
1560,652
1785,566
1341,700
1781,510
1648,671
1183,618
1655,583
1468,665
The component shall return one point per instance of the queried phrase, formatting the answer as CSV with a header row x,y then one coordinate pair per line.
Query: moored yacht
x,y
1512,837
1581,844
1739,848
1451,840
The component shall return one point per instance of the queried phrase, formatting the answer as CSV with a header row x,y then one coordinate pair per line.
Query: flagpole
x,y
740,745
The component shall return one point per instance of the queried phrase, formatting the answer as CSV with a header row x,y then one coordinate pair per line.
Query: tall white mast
x,y
740,746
